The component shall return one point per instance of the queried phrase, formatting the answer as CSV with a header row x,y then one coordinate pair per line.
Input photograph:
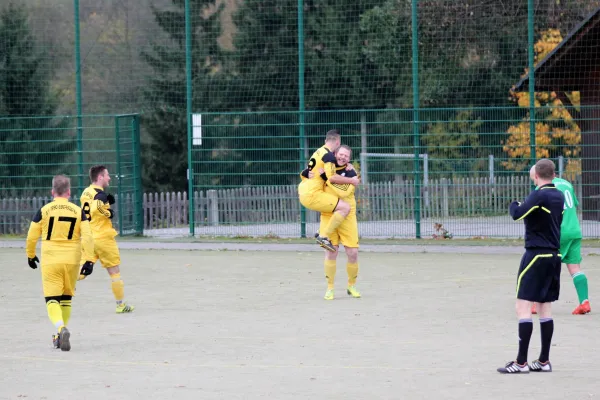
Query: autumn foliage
x,y
556,133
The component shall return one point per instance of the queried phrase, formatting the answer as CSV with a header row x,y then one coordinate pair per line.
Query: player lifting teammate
x,y
65,232
539,273
347,232
312,194
96,203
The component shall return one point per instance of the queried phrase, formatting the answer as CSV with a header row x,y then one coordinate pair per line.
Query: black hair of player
x,y
95,171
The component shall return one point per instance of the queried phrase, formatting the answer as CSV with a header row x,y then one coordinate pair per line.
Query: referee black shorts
x,y
539,276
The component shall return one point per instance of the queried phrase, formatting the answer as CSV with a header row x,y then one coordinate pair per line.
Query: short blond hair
x,y
61,184
345,146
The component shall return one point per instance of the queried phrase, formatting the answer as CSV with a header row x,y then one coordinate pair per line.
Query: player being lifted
x,y
96,203
312,194
65,232
570,243
347,232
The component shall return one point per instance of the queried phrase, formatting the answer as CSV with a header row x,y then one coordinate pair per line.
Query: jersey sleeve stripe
x,y
528,212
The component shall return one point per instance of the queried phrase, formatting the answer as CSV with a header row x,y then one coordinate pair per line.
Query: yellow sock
x,y
334,222
55,314
330,272
65,306
352,269
118,287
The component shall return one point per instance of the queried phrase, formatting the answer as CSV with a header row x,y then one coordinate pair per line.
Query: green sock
x,y
581,286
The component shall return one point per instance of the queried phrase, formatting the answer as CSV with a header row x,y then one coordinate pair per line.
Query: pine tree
x,y
338,73
32,150
266,55
165,157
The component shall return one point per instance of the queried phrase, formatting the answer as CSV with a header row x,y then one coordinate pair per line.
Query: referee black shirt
x,y
542,211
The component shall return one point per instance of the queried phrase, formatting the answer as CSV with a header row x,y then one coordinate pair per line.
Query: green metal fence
x,y
446,104
246,168
34,149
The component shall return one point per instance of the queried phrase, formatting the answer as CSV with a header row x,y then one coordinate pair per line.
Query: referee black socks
x,y
547,329
525,330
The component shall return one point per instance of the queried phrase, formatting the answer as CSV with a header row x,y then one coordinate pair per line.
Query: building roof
x,y
572,65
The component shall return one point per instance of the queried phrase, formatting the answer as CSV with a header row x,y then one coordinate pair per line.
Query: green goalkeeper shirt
x,y
570,228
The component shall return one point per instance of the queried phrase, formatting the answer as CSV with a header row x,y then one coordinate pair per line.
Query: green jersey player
x,y
570,244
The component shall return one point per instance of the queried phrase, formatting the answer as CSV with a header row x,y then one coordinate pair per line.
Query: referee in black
x,y
539,272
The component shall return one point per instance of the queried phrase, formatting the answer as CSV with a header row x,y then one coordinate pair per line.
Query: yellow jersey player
x,y
65,232
347,232
311,191
96,203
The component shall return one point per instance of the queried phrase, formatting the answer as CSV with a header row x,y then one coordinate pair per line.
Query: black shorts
x,y
539,276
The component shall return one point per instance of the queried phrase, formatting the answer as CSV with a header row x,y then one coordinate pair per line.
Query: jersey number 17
x,y
71,220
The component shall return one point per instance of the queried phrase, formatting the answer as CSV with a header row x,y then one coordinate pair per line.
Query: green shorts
x,y
571,251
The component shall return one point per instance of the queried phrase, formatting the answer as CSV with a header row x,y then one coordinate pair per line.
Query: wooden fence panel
x,y
377,201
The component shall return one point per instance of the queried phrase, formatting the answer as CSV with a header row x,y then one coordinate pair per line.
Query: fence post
x,y
301,106
416,117
561,166
364,174
189,105
78,102
213,207
531,72
138,200
445,210
119,174
426,178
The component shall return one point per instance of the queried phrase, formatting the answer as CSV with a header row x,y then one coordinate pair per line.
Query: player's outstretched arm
x,y
519,210
34,233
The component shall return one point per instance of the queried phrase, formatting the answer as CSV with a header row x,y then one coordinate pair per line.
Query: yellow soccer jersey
x,y
322,158
94,202
343,191
64,229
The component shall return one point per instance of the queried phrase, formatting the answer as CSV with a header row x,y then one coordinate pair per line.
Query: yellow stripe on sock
x,y
65,306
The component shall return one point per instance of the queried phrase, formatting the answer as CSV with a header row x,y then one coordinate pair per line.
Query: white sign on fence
x,y
197,129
